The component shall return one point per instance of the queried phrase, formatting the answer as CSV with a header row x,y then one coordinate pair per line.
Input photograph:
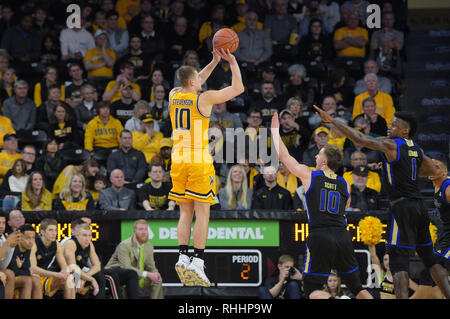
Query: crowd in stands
x,y
84,118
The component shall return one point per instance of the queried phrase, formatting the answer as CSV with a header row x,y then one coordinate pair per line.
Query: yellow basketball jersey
x,y
189,130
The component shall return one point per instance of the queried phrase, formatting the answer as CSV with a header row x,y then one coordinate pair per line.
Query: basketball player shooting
x,y
404,162
192,171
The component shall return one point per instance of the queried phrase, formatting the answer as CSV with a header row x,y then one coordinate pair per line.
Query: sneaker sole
x,y
185,275
196,280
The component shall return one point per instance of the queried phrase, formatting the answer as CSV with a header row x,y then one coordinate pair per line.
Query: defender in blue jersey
x,y
329,245
404,162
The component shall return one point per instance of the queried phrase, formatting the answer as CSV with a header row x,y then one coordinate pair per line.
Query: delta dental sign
x,y
221,233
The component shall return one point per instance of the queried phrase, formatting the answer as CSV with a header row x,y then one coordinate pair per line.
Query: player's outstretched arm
x,y
207,70
384,144
301,171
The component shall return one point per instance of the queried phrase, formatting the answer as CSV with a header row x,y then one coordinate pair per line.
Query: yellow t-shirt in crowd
x,y
351,51
6,163
95,56
385,105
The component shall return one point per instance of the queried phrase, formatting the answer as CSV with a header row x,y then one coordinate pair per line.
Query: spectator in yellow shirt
x,y
147,141
9,154
384,104
99,61
5,128
128,9
103,131
217,15
112,91
351,40
36,197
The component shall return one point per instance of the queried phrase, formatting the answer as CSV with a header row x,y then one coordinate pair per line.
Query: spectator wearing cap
x,y
165,153
5,128
129,160
358,158
321,136
117,37
75,42
350,41
9,154
147,140
103,131
123,109
384,103
126,74
254,44
363,198
87,109
99,60
20,109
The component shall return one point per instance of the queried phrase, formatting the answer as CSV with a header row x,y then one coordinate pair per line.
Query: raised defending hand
x,y
275,121
323,115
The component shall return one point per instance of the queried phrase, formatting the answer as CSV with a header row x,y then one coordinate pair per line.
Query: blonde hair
x,y
234,202
186,73
141,104
66,193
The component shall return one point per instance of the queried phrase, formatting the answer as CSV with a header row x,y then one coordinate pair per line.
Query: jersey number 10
x,y
182,118
329,201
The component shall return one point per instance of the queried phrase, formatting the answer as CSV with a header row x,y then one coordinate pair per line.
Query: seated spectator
x,y
359,7
134,123
190,58
50,162
386,44
313,13
5,128
142,63
76,73
153,195
117,197
267,74
377,123
164,157
358,158
294,136
99,183
112,91
363,198
45,111
283,284
99,21
9,154
332,289
87,109
145,7
350,41
157,78
256,135
267,102
74,196
217,14
75,42
315,46
271,195
279,26
153,43
20,265
329,105
15,220
159,109
220,115
147,140
103,131
7,84
330,10
384,83
384,103
99,61
117,37
236,194
13,186
122,109
180,41
36,197
41,89
50,52
241,17
63,127
107,6
250,171
297,87
20,109
129,160
339,88
320,137
255,46
29,156
337,138
23,44
287,180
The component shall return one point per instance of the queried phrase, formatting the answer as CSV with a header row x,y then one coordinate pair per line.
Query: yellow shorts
x,y
46,283
193,181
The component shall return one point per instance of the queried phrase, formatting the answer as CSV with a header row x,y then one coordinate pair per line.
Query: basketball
x,y
226,39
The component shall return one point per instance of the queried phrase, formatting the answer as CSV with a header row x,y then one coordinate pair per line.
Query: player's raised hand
x,y
275,121
226,55
216,56
323,115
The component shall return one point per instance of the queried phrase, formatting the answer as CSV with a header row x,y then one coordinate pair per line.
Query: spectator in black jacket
x,y
271,195
87,109
362,197
129,160
50,163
